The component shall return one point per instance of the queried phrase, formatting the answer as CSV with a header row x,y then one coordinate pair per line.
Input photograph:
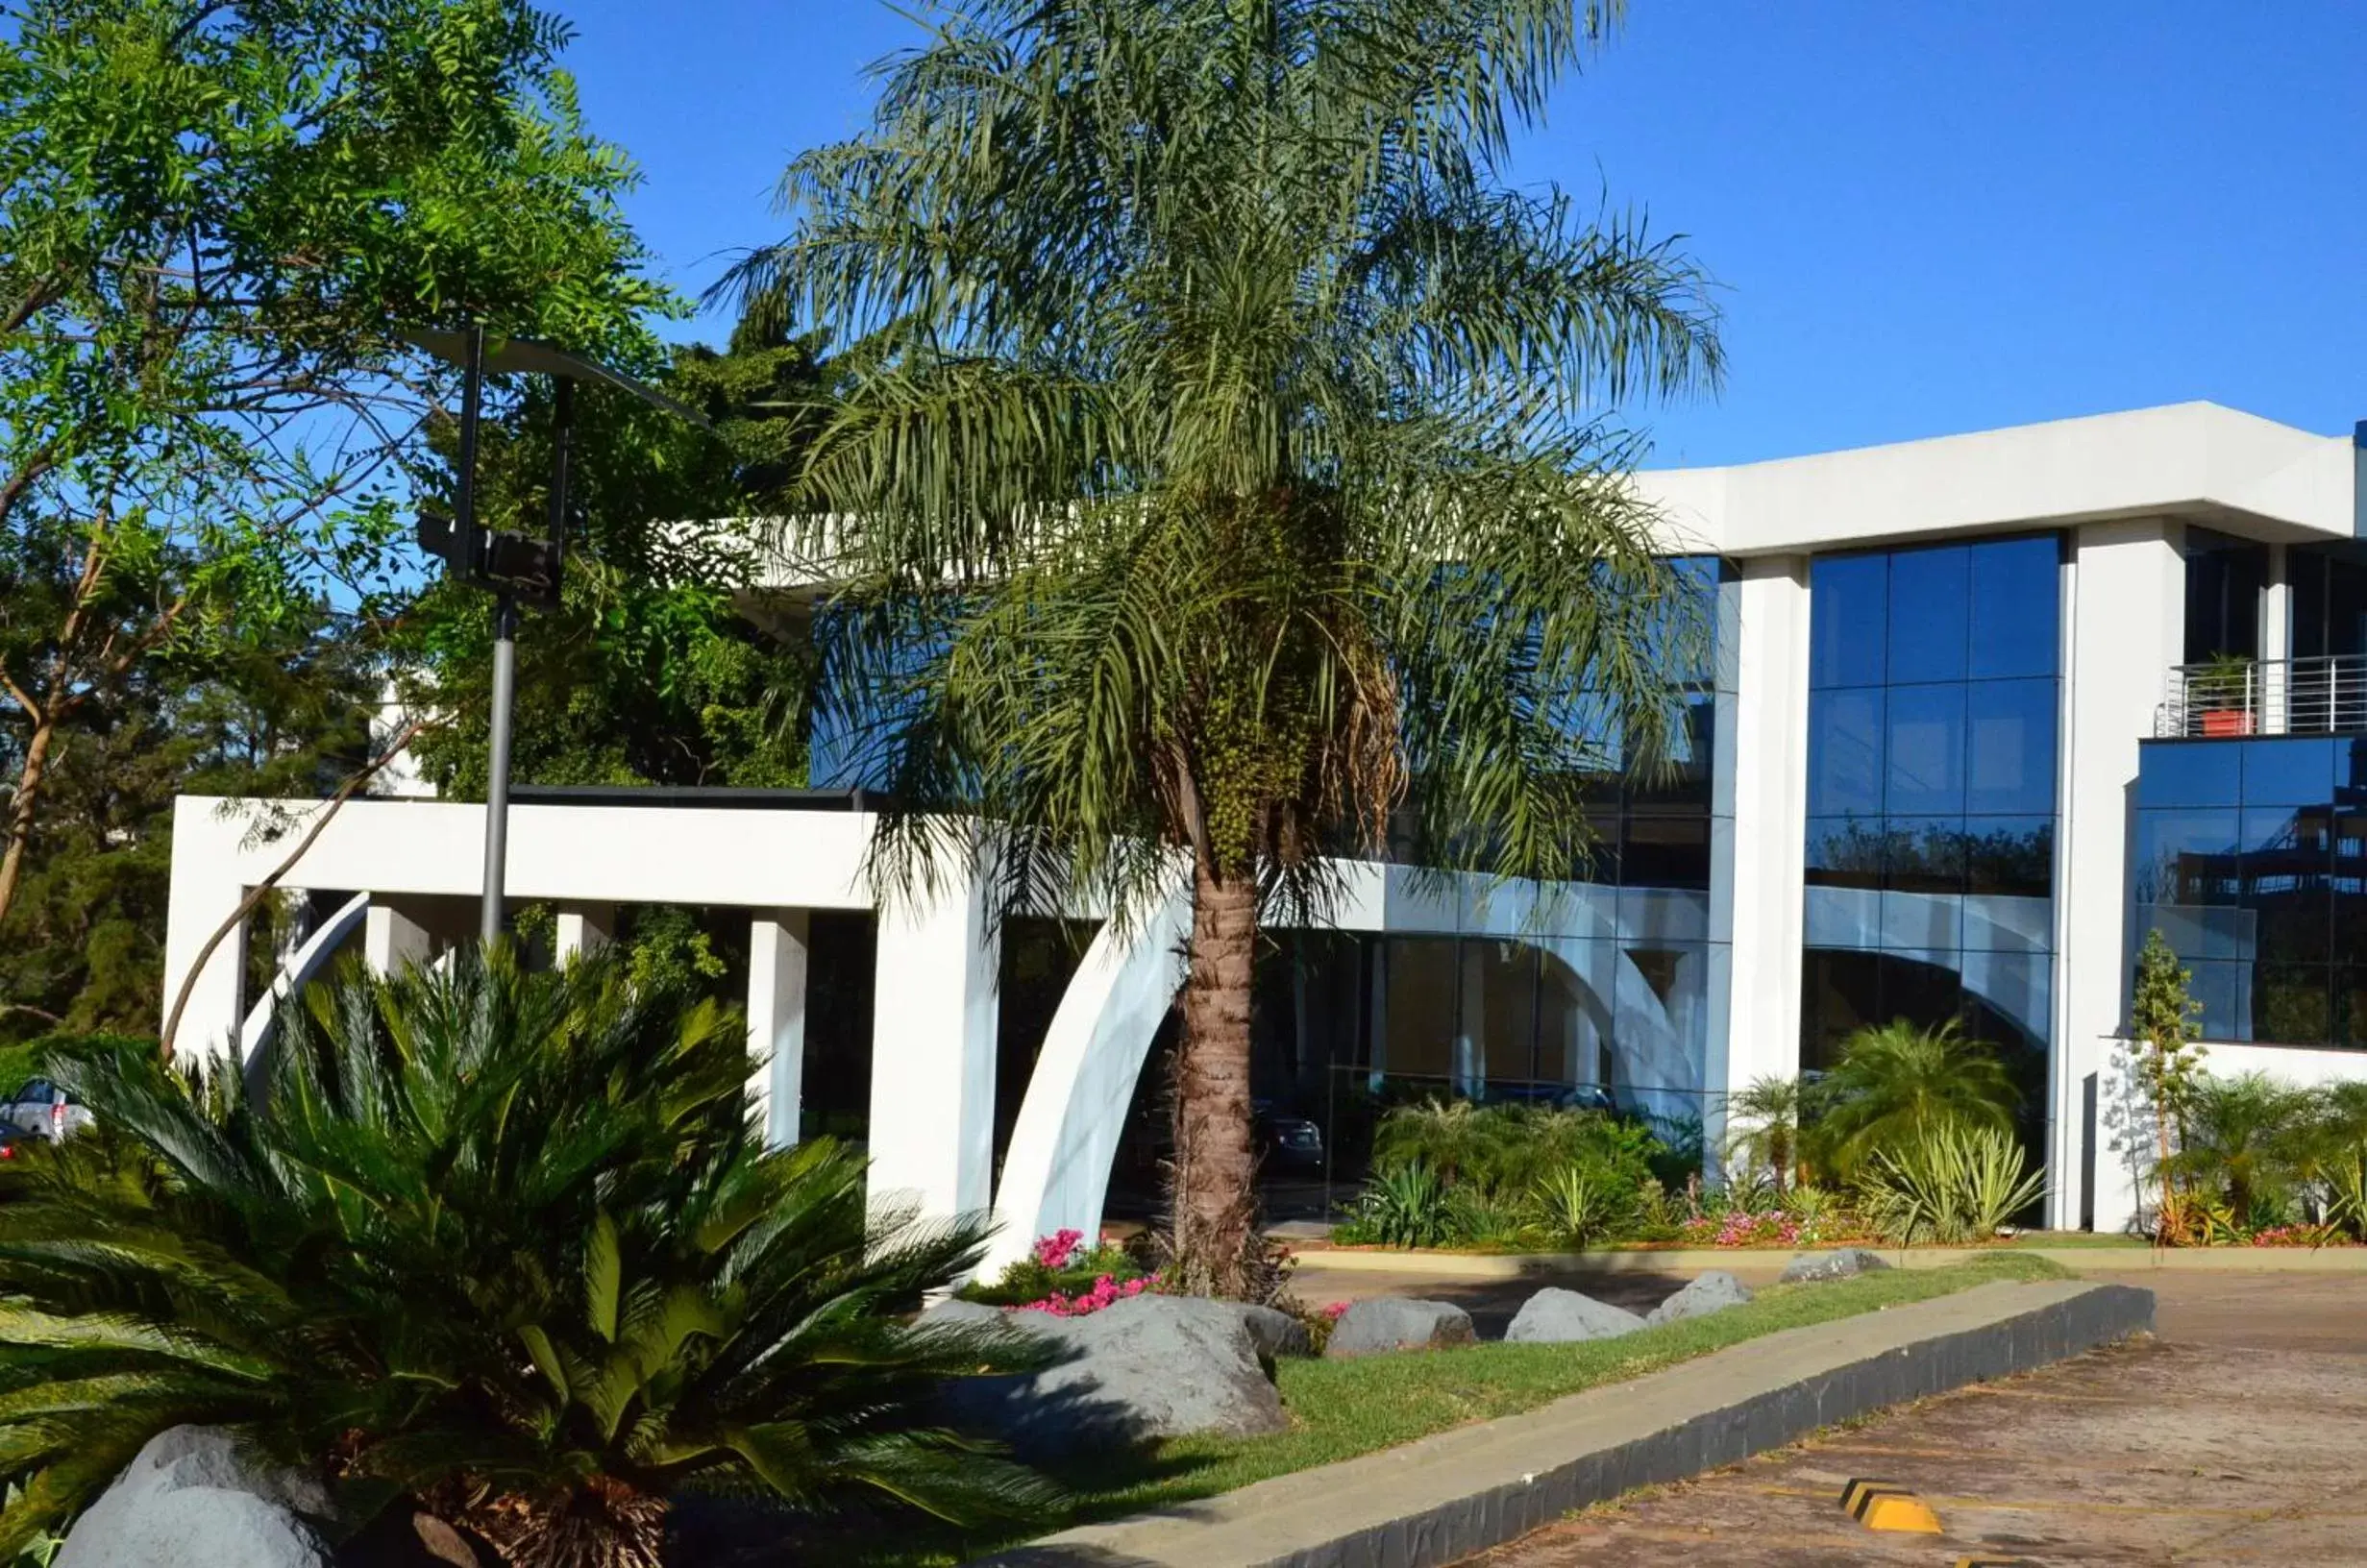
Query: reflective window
x,y
1932,771
2016,608
2264,897
1929,614
1849,621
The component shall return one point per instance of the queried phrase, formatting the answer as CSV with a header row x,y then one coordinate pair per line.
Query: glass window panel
x,y
2186,857
1683,776
1505,975
1576,981
1422,995
1665,851
2292,772
1848,619
2190,774
1924,854
1841,993
1923,988
1846,851
2293,927
1844,747
2198,931
2350,1005
2225,991
1663,913
2292,1004
2350,930
2010,855
1923,921
1842,917
1930,603
2008,999
2009,746
1925,734
2016,608
1659,1033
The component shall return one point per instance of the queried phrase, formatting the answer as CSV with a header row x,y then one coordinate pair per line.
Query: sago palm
x,y
505,1245
1229,481
1897,1083
1767,1114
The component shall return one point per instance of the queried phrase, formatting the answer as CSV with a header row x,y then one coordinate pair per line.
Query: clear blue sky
x,y
1925,217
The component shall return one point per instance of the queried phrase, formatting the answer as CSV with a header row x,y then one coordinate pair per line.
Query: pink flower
x,y
1333,1309
1054,1251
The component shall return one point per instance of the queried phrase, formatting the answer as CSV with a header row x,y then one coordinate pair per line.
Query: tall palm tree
x,y
1229,481
1897,1082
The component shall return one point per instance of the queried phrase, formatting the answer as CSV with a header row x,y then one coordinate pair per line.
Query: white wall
x,y
2126,627
1770,822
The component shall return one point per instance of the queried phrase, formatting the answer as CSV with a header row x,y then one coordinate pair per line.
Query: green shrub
x,y
1950,1185
1033,1279
1895,1085
506,1245
1581,1205
1403,1207
1510,1148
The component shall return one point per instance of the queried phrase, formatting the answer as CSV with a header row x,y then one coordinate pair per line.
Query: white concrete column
x,y
2276,643
777,950
1770,762
2124,627
583,929
933,1098
207,885
394,936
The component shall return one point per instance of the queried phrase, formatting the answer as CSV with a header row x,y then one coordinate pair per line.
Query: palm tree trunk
x,y
1214,1192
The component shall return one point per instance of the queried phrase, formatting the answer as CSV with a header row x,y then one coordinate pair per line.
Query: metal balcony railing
x,y
2277,697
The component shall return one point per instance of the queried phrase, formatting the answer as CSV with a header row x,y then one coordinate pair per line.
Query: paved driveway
x,y
2238,1435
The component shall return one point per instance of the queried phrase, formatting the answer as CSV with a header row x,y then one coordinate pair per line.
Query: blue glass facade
x,y
1934,705
2250,857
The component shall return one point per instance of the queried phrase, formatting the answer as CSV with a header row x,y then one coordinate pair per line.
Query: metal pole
x,y
497,767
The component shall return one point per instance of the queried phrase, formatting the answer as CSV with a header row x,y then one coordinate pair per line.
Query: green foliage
x,y
1405,1206
1768,1137
1579,1205
1950,1183
652,671
2167,1065
1897,1083
1029,1280
502,1243
2247,1145
1226,471
1510,1147
211,218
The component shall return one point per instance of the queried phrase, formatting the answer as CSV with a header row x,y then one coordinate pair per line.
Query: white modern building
x,y
1984,710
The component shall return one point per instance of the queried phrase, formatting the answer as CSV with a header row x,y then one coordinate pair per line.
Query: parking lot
x,y
2238,1435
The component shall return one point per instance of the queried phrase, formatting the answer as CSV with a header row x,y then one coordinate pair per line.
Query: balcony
x,y
2324,696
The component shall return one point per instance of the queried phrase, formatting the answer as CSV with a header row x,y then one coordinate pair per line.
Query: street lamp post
x,y
513,568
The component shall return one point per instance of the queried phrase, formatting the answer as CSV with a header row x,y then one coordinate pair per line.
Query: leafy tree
x,y
659,666
2167,1065
2247,1139
504,1246
212,215
1226,483
1897,1084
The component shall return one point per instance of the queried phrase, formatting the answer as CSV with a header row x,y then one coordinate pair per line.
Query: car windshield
x,y
40,1090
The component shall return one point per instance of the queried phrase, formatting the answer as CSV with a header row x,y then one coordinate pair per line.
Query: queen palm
x,y
1229,481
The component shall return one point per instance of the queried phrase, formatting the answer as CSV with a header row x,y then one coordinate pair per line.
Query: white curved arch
x,y
1056,1171
300,968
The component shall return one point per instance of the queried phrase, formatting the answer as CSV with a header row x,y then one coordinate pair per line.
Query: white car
x,y
42,1110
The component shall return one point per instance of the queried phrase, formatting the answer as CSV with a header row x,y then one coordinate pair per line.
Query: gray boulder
x,y
1554,1316
1841,1263
1392,1323
190,1500
1710,1292
1275,1331
1151,1366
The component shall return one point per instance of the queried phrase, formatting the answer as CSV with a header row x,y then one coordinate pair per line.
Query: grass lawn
x,y
1340,1410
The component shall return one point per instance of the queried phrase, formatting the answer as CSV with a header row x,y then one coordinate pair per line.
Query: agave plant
x,y
506,1245
1407,1207
1951,1184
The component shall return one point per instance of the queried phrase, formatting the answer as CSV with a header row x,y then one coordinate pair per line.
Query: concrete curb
x,y
1458,1492
1524,1265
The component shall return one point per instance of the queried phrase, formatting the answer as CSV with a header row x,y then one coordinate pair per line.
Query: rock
x,y
1841,1263
1389,1323
191,1500
1554,1316
1710,1292
1150,1366
954,1310
1275,1331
